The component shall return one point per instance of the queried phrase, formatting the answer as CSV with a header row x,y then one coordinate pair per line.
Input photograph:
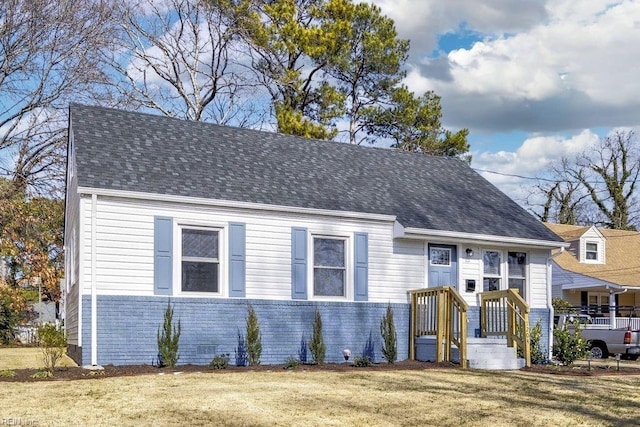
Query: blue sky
x,y
533,81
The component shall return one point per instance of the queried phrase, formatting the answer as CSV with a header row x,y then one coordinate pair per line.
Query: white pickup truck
x,y
605,342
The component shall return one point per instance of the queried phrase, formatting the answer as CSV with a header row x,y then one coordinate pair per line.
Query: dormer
x,y
591,249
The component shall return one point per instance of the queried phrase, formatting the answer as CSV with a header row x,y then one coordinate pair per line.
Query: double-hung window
x,y
329,267
200,260
517,265
591,252
492,261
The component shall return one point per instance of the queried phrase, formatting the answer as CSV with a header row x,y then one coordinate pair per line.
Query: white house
x,y
215,218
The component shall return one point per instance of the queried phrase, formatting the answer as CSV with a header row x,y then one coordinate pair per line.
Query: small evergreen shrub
x,y
168,340
302,351
362,362
538,353
291,363
369,349
561,306
389,336
220,361
53,345
316,346
241,351
41,375
7,373
569,347
254,338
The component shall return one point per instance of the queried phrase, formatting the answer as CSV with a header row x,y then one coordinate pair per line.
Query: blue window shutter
x,y
299,263
361,273
163,255
237,259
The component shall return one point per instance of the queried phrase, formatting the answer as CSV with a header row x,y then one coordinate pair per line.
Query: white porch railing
x,y
621,322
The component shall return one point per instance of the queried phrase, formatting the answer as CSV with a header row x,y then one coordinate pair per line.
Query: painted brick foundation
x,y
127,328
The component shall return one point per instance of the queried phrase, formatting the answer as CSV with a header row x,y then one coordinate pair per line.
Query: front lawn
x,y
307,398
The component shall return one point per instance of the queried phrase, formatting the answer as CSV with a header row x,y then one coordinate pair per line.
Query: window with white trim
x,y
492,268
591,251
200,260
329,267
517,271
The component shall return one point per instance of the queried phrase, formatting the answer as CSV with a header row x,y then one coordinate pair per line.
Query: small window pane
x,y
328,252
199,276
491,262
199,243
592,247
517,284
440,256
517,264
328,282
491,284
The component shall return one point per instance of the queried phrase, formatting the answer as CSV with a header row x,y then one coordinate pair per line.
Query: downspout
x,y
94,298
550,304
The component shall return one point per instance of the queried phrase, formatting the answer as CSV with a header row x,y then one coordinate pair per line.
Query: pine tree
x,y
254,338
316,346
389,336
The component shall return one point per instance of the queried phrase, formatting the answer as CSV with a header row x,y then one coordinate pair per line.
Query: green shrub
x,y
569,346
254,338
41,375
316,346
220,361
362,362
7,373
13,311
561,306
291,363
168,340
538,355
53,345
389,336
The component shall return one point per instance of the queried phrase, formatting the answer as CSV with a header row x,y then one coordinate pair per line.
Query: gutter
x,y
549,302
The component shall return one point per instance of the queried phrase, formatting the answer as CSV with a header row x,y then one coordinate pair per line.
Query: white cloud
x,y
571,67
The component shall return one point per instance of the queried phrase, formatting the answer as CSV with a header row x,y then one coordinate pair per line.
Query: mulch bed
x,y
110,371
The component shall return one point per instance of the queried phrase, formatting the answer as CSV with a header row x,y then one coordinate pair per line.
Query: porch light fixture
x,y
469,252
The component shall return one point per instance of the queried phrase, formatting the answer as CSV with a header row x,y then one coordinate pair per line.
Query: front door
x,y
443,266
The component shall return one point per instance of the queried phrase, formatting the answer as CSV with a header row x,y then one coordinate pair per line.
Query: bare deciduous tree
x,y
49,51
597,186
177,57
609,173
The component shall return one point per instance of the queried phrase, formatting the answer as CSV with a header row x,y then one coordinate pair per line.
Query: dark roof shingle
x,y
121,150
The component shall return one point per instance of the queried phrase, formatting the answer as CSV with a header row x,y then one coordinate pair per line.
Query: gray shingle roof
x,y
138,152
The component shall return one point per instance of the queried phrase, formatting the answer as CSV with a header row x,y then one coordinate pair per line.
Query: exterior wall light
x,y
469,252
346,353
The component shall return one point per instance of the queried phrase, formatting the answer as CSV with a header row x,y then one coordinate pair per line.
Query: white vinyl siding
x,y
125,258
125,248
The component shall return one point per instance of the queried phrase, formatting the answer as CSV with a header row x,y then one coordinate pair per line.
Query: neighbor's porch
x,y
440,315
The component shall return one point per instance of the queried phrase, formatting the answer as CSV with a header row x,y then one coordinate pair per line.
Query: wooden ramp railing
x,y
441,312
506,314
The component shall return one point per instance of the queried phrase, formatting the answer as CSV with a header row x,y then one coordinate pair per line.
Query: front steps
x,y
482,353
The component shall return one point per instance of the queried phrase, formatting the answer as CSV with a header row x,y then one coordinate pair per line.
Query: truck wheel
x,y
599,351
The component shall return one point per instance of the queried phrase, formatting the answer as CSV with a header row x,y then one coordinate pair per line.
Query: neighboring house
x,y
214,218
601,268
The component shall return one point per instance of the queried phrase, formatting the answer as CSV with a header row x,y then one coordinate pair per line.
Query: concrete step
x,y
482,353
